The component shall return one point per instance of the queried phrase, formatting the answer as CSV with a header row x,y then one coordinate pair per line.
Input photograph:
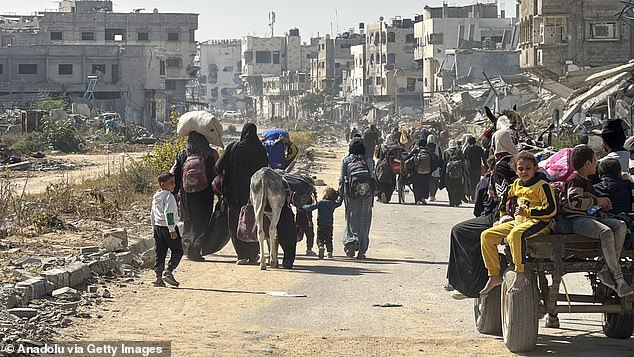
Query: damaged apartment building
x,y
275,73
219,76
558,37
141,61
456,45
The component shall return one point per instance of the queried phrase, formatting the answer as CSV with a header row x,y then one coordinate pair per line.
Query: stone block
x,y
58,277
79,272
92,289
23,312
66,292
35,288
115,240
89,250
149,258
125,257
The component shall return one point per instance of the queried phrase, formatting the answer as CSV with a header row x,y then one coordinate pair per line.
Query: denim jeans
x,y
610,231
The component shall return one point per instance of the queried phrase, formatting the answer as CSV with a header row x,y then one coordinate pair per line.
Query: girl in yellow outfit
x,y
536,207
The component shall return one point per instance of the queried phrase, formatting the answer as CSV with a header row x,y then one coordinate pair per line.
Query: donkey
x,y
267,191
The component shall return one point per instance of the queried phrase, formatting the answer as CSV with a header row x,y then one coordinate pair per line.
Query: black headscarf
x,y
422,142
197,143
243,160
356,147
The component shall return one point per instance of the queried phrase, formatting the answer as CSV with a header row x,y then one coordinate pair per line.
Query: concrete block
x,y
23,312
35,288
125,257
58,277
65,292
79,272
149,258
92,289
115,240
142,245
89,250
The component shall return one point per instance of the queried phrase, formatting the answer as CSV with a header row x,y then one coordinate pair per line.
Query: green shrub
x,y
62,135
31,142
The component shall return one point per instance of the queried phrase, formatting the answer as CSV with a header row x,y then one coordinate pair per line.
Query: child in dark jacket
x,y
325,220
612,186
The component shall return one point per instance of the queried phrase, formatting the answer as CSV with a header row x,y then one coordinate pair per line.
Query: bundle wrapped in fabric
x,y
201,122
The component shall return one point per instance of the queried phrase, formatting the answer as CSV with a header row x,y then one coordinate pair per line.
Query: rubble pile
x,y
66,287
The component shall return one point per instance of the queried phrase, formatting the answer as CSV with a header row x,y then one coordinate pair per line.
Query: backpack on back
x,y
194,174
359,178
455,166
383,172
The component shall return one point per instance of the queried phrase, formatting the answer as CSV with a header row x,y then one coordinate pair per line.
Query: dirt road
x,y
89,166
220,309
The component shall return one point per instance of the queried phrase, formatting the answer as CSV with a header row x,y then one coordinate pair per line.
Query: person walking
x,y
356,183
455,174
164,216
421,170
371,139
434,180
474,155
239,162
196,194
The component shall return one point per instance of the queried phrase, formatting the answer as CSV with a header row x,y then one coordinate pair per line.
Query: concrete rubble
x,y
66,288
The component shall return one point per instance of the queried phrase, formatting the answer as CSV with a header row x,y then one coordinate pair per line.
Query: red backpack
x,y
194,174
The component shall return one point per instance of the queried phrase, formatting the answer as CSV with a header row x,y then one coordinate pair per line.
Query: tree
x,y
312,102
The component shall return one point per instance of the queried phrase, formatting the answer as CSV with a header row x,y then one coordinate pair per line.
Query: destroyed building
x,y
141,61
440,31
219,77
271,67
334,58
560,36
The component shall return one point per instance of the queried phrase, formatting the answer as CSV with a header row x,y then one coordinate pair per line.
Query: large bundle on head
x,y
201,122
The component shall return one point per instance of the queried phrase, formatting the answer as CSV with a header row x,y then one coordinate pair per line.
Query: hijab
x,y
356,147
197,143
503,142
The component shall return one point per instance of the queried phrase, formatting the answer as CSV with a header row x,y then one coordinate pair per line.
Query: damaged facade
x,y
219,77
441,31
142,60
559,36
275,71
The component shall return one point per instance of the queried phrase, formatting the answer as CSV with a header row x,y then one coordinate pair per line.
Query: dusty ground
x,y
87,166
220,309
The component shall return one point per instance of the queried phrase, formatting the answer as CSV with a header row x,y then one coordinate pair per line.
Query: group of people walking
x,y
229,177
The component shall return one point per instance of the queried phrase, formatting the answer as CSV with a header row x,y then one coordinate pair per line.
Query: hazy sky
x,y
236,18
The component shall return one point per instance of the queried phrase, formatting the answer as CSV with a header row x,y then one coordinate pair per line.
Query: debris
x,y
283,294
20,166
65,293
89,249
23,312
115,239
92,289
387,305
106,294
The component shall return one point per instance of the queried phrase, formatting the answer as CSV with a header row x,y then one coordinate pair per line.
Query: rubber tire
x,y
488,313
520,313
618,325
400,186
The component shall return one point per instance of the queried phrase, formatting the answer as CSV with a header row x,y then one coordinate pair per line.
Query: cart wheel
x,y
400,186
520,313
618,326
488,314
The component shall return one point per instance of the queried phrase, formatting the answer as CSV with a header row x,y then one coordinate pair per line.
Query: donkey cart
x,y
516,315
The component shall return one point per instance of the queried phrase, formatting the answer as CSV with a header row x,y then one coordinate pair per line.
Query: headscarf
x,y
356,147
503,141
422,142
249,135
432,139
197,143
452,144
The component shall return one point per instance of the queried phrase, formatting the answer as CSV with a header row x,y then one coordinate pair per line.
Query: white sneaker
x,y
432,198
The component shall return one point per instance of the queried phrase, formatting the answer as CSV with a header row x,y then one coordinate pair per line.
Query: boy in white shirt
x,y
166,236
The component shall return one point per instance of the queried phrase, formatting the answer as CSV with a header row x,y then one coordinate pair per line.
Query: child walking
x,y
536,206
166,236
581,204
325,220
